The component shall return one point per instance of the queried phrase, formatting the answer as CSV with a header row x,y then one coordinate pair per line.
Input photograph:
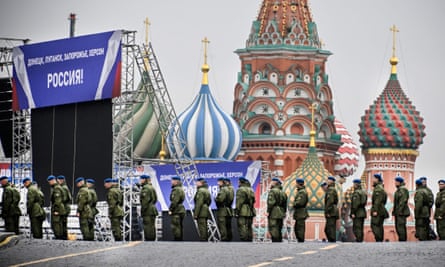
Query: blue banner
x,y
161,178
66,71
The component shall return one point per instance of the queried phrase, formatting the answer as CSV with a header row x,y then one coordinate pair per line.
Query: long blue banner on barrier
x,y
161,178
66,71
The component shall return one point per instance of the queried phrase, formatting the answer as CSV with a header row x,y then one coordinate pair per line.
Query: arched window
x,y
265,129
290,78
257,77
297,129
246,78
273,78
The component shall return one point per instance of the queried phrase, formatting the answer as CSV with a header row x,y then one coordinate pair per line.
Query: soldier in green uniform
x,y
57,208
430,204
244,209
223,208
401,209
378,210
421,211
93,203
358,210
66,202
439,214
275,211
428,191
10,206
283,206
34,207
230,199
84,211
331,210
115,201
176,209
201,211
300,210
149,212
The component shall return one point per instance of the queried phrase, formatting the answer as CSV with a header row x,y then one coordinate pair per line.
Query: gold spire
x,y
394,60
312,132
205,68
147,27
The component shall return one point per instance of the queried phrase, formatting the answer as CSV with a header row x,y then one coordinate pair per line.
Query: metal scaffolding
x,y
21,162
123,106
260,224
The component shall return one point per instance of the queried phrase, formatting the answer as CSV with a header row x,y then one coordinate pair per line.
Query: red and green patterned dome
x,y
392,121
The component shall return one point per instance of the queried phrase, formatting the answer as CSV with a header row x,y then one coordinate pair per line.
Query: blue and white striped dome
x,y
210,133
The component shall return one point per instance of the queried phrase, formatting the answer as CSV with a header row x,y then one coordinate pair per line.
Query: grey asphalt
x,y
82,253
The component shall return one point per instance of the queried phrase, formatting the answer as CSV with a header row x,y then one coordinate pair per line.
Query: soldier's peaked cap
x,y
442,181
26,180
61,177
51,177
177,178
108,180
79,179
357,181
145,176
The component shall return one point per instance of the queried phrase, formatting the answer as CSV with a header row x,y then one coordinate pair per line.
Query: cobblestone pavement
x,y
81,253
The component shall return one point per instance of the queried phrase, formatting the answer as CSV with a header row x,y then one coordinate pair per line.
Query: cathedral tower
x,y
391,131
282,76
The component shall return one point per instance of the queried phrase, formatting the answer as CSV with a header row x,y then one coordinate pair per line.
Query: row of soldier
x,y
61,200
423,202
277,204
86,200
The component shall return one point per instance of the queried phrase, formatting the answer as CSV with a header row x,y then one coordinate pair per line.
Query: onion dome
x,y
314,173
209,132
392,120
147,137
347,156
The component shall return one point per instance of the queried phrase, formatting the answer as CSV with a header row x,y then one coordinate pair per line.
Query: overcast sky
x,y
355,31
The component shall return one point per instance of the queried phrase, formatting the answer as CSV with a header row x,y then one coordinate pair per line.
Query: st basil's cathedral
x,y
283,114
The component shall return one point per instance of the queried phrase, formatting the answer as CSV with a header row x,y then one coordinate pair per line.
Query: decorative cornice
x,y
392,151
